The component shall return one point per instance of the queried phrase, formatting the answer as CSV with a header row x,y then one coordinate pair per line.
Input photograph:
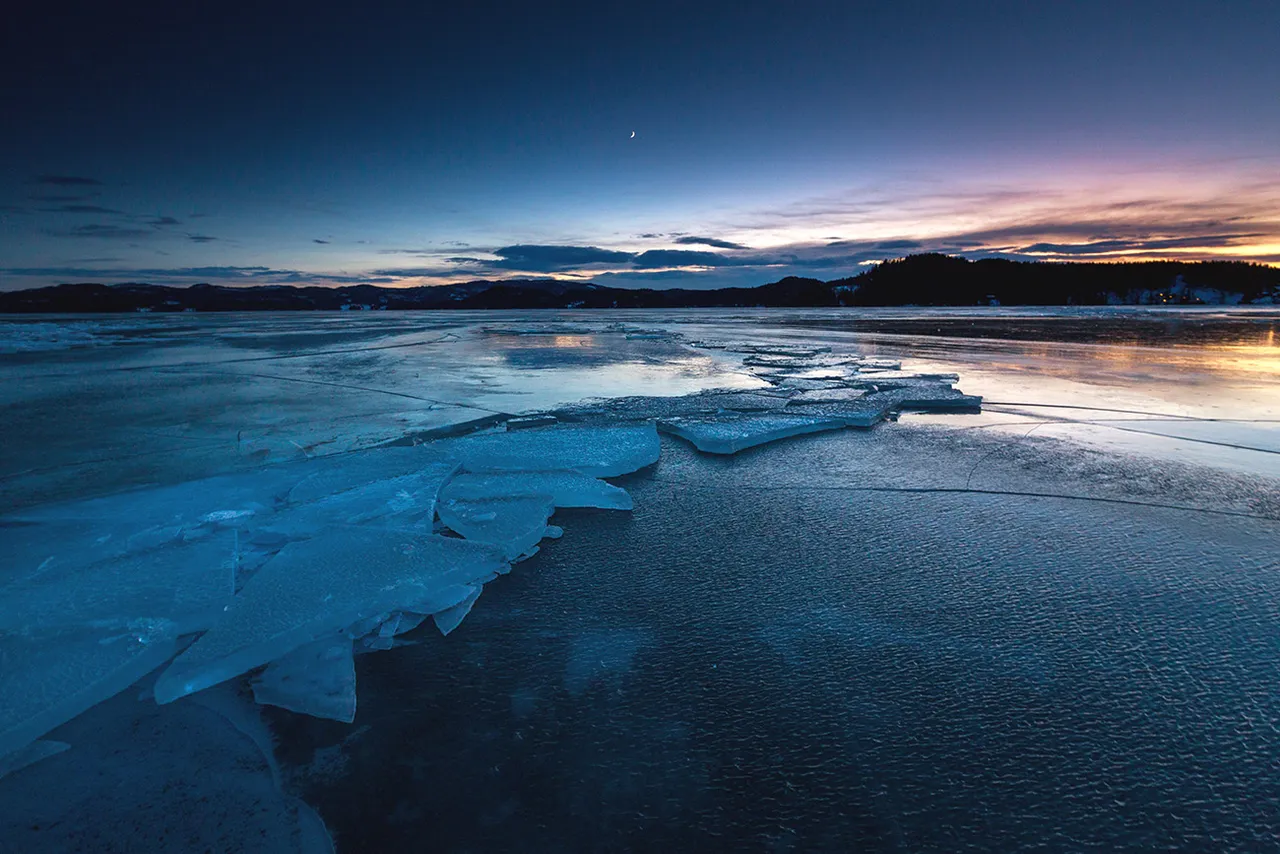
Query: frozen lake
x,y
1051,624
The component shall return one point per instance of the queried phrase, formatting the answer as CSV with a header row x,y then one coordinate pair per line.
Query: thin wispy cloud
x,y
691,240
67,181
81,209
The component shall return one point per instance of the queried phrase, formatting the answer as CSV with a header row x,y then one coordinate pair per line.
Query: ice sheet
x,y
566,489
597,451
188,583
513,525
728,436
407,501
450,618
318,679
47,678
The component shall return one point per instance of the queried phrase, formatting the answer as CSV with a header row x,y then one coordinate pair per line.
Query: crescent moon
x,y
633,134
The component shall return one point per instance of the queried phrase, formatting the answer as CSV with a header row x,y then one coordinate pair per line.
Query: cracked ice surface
x,y
318,547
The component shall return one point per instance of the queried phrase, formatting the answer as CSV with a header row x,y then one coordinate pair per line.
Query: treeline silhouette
x,y
927,280
947,280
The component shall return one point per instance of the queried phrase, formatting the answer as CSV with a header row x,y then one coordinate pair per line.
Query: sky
x,y
631,144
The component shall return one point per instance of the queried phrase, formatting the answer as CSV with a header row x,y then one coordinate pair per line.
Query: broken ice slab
x,y
597,451
408,501
728,436
804,384
318,679
565,488
328,477
929,398
525,422
49,677
145,518
322,585
871,408
188,583
449,619
699,403
792,350
514,525
30,755
828,395
901,379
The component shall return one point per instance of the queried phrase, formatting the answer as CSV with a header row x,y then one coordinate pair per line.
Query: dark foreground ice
x,y
951,632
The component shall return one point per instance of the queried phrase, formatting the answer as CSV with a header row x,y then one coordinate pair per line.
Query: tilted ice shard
x,y
514,525
728,436
318,679
188,583
448,620
405,501
323,585
185,510
327,478
566,488
597,451
47,678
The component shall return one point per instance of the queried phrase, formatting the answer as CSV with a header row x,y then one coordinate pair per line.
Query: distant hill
x,y
932,280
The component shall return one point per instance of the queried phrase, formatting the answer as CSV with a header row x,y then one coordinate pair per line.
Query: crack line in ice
x,y
165,370
1054,419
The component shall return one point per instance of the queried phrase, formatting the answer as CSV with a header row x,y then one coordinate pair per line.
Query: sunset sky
x,y
174,144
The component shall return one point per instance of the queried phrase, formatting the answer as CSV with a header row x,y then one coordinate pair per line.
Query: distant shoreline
x,y
917,280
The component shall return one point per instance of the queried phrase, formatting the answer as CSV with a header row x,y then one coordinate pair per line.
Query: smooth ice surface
x,y
49,677
323,585
318,679
596,451
513,525
730,436
566,489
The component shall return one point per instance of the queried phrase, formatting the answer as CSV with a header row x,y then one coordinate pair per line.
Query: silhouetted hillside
x,y
934,280
948,280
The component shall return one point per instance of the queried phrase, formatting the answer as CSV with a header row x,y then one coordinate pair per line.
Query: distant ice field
x,y
811,580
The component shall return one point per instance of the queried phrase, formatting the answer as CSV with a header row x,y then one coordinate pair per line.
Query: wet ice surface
x,y
935,625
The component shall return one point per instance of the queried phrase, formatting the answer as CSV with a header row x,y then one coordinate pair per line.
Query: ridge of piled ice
x,y
513,525
597,451
318,679
728,436
565,488
322,585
